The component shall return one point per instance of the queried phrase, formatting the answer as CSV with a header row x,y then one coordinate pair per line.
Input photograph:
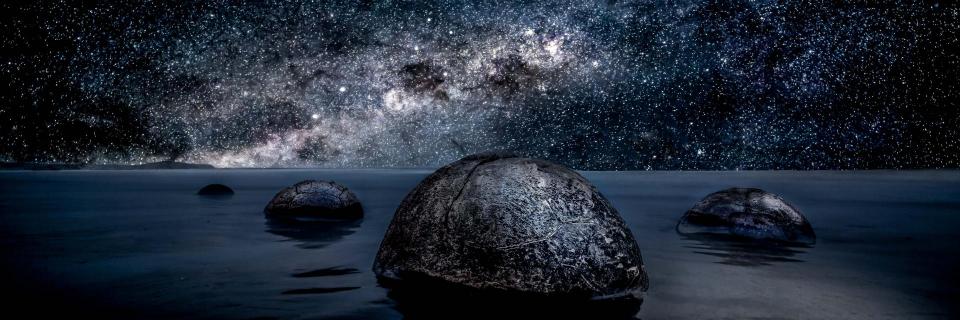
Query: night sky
x,y
607,85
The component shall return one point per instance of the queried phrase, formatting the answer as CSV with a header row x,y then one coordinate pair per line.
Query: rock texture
x,y
501,222
215,189
315,200
747,212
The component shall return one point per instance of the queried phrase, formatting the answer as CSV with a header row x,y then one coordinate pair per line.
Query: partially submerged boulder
x,y
215,189
499,222
315,200
750,213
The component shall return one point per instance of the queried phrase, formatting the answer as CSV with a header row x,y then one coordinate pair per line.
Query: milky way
x,y
595,85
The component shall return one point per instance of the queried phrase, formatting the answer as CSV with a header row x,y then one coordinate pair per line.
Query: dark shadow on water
x,y
738,251
326,272
221,197
320,290
434,300
312,234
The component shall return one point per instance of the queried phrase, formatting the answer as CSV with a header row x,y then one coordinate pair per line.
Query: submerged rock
x,y
215,189
315,200
747,212
509,224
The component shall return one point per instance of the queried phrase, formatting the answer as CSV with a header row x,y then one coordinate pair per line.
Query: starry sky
x,y
599,85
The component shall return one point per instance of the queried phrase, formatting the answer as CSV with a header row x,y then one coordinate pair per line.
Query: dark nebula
x,y
722,84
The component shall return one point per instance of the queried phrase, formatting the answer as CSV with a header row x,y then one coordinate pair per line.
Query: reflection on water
x,y
315,235
739,251
319,290
216,196
326,272
312,235
435,300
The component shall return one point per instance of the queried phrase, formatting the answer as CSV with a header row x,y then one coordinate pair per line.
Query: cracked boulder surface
x,y
505,223
315,200
750,213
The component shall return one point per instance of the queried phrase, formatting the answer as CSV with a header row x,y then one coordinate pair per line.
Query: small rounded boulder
x,y
315,200
750,213
215,189
500,222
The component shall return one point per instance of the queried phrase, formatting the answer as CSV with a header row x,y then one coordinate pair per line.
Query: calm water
x,y
140,243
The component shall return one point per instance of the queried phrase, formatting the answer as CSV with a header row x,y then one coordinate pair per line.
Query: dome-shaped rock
x,y
215,189
747,212
315,200
501,222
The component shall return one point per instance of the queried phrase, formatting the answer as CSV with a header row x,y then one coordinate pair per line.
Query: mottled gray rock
x,y
215,189
500,222
315,200
747,212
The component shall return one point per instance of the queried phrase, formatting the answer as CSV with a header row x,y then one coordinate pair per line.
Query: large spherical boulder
x,y
747,212
215,189
505,223
315,200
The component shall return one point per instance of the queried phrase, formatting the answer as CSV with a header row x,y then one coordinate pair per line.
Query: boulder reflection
x,y
432,300
738,251
312,234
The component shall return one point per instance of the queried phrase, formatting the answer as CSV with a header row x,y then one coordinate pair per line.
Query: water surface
x,y
142,244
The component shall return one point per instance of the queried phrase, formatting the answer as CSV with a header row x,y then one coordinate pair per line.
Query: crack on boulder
x,y
466,180
539,231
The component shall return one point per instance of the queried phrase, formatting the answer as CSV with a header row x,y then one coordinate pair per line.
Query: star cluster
x,y
722,84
